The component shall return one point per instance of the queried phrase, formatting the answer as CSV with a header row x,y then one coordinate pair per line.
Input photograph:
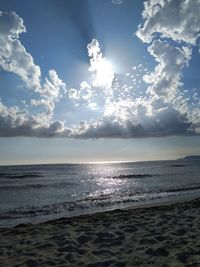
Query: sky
x,y
99,80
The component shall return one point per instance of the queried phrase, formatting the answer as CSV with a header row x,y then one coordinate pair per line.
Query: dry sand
x,y
156,236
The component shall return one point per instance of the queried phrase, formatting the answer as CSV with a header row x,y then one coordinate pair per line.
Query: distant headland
x,y
192,157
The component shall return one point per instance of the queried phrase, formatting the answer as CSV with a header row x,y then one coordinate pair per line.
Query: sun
x,y
104,74
101,67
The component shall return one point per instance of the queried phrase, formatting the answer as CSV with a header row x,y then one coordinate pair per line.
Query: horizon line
x,y
87,162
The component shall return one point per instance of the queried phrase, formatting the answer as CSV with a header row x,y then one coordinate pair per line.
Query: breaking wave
x,y
102,200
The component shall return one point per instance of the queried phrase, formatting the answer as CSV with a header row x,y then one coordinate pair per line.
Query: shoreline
x,y
101,209
167,235
131,208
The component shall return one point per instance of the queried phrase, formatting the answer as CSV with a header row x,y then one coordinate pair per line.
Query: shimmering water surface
x,y
42,192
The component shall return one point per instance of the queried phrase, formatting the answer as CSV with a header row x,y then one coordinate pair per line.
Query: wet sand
x,y
154,236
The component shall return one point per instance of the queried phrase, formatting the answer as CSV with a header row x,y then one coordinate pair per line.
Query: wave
x,y
20,175
183,189
37,186
177,165
130,176
102,200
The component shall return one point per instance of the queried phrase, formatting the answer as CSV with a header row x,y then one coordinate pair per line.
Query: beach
x,y
153,236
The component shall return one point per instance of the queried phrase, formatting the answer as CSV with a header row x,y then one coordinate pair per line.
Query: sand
x,y
155,236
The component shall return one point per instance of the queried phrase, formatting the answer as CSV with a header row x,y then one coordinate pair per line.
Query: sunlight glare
x,y
104,73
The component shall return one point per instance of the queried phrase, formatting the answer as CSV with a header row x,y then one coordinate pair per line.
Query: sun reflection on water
x,y
106,178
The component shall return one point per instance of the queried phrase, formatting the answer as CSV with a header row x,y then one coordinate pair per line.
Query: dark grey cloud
x,y
165,123
30,127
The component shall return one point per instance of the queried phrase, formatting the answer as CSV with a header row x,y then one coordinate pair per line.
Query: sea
x,y
38,193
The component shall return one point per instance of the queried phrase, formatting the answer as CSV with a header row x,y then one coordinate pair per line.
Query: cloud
x,y
13,55
119,105
16,122
53,85
164,110
171,28
74,94
102,69
166,77
163,122
166,121
178,20
50,93
83,94
117,2
85,90
11,24
14,58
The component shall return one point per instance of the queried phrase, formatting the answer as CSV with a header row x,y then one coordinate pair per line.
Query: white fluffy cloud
x,y
172,29
175,19
84,93
100,66
50,93
117,2
53,85
74,94
13,55
14,58
123,111
166,77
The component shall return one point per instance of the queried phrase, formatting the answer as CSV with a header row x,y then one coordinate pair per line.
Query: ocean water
x,y
38,193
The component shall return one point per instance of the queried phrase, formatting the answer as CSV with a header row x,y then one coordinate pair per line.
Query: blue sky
x,y
98,80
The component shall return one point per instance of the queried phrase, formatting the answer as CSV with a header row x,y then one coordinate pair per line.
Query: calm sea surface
x,y
42,192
